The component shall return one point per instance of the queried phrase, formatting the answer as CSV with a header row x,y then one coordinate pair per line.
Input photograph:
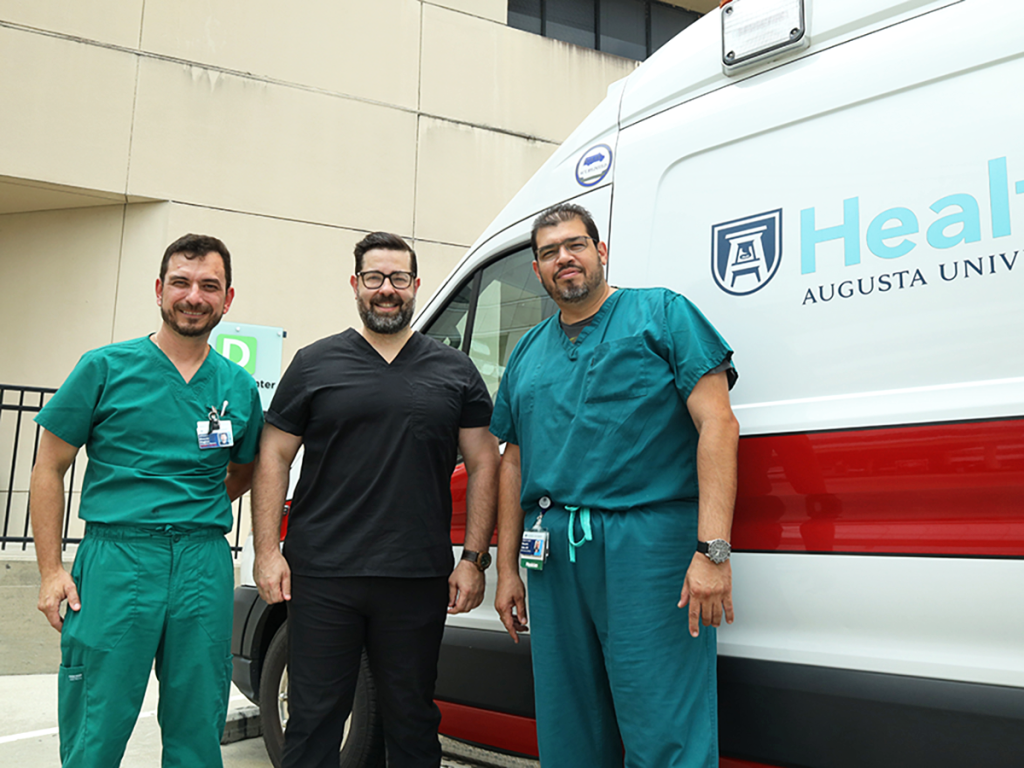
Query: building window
x,y
631,28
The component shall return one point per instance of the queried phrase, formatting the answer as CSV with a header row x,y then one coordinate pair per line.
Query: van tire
x,y
363,745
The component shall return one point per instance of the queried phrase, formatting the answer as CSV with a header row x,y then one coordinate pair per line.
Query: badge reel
x,y
534,549
213,432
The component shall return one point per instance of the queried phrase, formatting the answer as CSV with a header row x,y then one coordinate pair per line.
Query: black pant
x,y
400,623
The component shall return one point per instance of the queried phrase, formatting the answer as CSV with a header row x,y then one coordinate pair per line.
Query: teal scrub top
x,y
602,422
136,416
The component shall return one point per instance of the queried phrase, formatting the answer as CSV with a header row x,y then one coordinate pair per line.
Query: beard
x,y
573,293
386,324
187,329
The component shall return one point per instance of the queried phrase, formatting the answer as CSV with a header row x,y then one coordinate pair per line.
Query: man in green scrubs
x,y
621,456
171,430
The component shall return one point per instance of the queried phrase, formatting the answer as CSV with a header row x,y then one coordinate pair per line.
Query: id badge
x,y
222,437
534,549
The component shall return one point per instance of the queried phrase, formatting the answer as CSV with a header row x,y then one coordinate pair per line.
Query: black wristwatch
x,y
717,550
480,559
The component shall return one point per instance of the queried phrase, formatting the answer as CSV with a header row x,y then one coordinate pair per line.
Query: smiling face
x,y
385,310
570,278
192,295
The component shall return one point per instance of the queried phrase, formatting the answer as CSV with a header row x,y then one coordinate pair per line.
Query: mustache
x,y
567,267
184,307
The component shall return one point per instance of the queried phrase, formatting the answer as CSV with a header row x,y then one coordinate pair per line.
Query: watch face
x,y
719,550
485,561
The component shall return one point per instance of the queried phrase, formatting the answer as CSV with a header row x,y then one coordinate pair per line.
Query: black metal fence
x,y
19,445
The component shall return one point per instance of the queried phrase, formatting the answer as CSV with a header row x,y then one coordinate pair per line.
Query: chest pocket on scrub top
x,y
618,371
437,407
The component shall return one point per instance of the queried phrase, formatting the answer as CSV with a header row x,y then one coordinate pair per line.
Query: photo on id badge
x,y
220,436
534,550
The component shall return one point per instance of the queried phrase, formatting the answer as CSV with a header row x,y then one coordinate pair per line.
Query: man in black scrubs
x,y
382,412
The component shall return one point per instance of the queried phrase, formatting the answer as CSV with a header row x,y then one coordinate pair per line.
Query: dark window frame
x,y
648,16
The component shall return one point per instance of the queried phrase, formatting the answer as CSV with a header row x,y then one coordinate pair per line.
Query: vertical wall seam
x,y
127,175
416,138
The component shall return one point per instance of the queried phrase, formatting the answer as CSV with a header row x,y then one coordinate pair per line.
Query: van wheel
x,y
362,744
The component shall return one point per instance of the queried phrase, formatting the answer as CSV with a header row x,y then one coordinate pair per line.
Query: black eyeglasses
x,y
574,245
373,279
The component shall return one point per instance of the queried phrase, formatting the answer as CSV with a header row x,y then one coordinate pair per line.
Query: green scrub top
x,y
602,422
137,417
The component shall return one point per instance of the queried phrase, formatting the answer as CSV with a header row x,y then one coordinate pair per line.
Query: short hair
x,y
556,214
385,241
196,247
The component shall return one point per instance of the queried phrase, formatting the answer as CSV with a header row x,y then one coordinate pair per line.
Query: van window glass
x,y
493,310
450,326
510,303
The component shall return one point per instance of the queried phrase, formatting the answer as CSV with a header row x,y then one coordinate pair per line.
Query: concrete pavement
x,y
28,733
30,654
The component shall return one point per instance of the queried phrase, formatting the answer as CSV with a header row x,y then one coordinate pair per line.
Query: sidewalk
x,y
28,733
30,654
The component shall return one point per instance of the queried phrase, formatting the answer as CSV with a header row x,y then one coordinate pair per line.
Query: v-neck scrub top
x,y
381,441
137,417
602,421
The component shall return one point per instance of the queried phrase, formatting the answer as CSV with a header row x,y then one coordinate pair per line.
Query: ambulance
x,y
839,186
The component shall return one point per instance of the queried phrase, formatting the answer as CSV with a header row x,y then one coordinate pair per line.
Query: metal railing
x,y
19,446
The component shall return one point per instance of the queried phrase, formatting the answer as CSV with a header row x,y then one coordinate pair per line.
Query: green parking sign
x,y
239,349
257,348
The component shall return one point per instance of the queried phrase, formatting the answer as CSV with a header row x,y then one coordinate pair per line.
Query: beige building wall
x,y
287,130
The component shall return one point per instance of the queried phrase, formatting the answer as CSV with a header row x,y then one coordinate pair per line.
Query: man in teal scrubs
x,y
171,430
621,456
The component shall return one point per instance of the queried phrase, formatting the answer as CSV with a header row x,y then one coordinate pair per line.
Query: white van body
x,y
850,216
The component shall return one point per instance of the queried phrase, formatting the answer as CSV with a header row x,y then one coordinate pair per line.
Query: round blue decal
x,y
594,165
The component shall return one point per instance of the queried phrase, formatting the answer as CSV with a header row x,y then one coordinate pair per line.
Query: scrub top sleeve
x,y
69,413
289,410
695,347
245,451
476,402
502,425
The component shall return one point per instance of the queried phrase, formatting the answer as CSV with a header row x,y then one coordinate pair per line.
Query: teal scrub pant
x,y
618,679
147,593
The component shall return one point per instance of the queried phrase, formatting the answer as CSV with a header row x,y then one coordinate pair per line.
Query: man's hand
x,y
465,588
510,604
54,590
273,576
708,590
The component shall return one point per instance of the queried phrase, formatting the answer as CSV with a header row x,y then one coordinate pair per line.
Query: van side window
x,y
492,311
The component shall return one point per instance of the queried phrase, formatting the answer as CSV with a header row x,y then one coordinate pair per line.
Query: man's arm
x,y
479,449
269,487
54,458
239,478
510,601
708,587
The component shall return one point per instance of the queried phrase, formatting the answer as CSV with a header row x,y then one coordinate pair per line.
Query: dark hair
x,y
196,247
556,214
384,241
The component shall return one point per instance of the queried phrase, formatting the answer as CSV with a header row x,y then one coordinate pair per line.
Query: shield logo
x,y
745,253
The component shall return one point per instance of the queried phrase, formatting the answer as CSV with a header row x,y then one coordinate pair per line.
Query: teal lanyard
x,y
584,523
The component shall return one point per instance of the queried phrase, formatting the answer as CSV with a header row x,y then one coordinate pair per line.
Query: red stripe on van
x,y
509,732
513,733
936,489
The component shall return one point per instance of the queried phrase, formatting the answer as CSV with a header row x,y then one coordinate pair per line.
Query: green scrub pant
x,y
147,592
615,668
